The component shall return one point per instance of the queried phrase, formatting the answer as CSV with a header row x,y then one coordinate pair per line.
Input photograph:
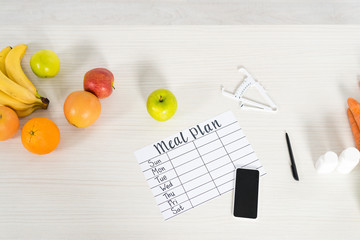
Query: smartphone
x,y
246,193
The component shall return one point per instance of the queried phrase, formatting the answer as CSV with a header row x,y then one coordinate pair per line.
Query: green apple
x,y
45,64
161,104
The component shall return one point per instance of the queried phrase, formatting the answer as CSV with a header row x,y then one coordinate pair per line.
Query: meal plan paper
x,y
197,164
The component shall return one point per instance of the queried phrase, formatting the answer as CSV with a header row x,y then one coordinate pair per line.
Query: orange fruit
x,y
40,135
82,108
9,123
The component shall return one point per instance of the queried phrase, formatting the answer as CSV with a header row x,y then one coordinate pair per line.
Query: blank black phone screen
x,y
246,193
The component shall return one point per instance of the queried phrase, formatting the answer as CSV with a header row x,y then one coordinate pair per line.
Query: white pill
x,y
348,160
327,163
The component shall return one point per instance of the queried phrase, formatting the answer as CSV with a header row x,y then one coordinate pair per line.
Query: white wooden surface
x,y
159,12
91,186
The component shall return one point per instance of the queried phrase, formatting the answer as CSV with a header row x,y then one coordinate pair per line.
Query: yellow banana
x,y
3,55
8,101
14,70
26,112
18,92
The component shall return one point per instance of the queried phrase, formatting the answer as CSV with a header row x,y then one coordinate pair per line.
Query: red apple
x,y
99,81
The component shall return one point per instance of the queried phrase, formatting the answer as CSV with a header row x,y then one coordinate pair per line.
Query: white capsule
x,y
348,160
327,163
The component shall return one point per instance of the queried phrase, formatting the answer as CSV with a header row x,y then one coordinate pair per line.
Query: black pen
x,y
293,166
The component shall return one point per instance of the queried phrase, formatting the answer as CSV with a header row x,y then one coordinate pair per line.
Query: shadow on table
x,y
149,78
353,92
77,59
332,141
356,185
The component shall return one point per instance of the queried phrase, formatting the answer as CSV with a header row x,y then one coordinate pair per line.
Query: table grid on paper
x,y
200,170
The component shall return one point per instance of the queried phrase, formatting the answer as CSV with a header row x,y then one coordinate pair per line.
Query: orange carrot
x,y
355,109
354,106
354,128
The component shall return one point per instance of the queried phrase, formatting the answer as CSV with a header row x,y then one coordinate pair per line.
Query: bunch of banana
x,y
16,90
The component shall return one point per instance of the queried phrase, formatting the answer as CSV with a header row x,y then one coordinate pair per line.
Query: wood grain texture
x,y
91,186
174,12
